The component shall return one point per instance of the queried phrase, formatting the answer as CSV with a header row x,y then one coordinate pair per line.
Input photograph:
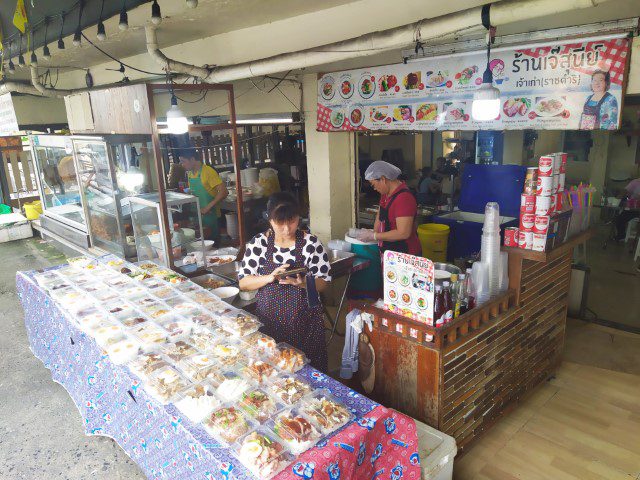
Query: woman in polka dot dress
x,y
282,305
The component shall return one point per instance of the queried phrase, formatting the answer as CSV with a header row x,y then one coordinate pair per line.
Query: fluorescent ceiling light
x,y
246,121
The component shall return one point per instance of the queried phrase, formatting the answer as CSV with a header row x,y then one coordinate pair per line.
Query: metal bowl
x,y
444,267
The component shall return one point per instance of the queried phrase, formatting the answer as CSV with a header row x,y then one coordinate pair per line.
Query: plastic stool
x,y
632,228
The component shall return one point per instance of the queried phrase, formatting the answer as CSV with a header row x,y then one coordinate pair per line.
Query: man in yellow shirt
x,y
206,184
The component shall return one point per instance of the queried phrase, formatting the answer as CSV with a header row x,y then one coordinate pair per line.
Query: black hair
x,y
282,207
607,77
186,152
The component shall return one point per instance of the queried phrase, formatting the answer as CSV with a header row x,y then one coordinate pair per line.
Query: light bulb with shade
x,y
124,20
131,180
486,100
177,123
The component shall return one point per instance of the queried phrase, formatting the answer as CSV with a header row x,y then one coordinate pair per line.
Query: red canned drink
x,y
511,236
522,239
552,208
545,166
539,242
527,221
563,161
561,180
543,205
545,186
541,224
527,203
554,185
532,174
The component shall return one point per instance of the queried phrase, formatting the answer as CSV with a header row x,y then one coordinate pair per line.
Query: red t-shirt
x,y
404,205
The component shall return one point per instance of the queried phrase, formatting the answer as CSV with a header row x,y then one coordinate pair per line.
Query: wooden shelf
x,y
553,253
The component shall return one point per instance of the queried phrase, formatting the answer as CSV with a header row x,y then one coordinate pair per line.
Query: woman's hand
x,y
297,281
276,272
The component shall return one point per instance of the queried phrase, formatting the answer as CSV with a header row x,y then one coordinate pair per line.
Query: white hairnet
x,y
381,169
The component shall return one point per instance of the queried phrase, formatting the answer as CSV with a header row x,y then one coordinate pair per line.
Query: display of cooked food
x,y
290,389
178,351
326,413
262,455
258,405
259,370
261,342
227,424
165,384
232,387
197,401
288,358
145,365
240,323
296,431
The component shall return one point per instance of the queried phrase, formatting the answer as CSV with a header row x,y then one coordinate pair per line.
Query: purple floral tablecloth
x,y
380,443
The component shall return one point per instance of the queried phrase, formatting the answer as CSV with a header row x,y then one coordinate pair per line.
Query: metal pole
x,y
236,164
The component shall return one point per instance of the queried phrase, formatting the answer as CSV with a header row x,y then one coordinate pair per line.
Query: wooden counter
x,y
482,363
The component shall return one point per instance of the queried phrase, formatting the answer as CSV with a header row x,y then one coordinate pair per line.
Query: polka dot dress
x,y
314,254
284,309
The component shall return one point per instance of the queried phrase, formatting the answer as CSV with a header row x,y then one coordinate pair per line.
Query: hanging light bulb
x,y
192,3
60,40
46,54
177,123
21,61
156,15
77,37
486,99
102,34
12,67
124,18
34,59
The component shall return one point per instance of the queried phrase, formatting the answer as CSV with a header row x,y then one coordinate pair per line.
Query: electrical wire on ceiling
x,y
118,60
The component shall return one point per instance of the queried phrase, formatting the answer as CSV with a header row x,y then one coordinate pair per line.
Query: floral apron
x,y
285,311
590,119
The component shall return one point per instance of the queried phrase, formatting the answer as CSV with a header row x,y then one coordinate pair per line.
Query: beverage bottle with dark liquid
x,y
438,307
448,302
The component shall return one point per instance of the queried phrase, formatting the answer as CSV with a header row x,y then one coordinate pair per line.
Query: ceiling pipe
x,y
19,87
48,92
502,13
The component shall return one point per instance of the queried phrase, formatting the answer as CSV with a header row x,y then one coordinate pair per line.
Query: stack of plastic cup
x,y
479,280
490,247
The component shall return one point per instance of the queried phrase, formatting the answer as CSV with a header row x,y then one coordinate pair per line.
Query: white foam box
x,y
437,451
14,226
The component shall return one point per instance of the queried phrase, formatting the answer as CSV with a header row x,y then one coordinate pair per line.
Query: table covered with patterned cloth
x,y
379,444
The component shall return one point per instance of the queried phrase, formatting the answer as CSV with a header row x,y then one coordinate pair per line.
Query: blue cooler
x,y
482,184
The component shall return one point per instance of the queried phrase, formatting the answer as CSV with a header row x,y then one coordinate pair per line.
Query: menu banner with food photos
x,y
562,86
408,286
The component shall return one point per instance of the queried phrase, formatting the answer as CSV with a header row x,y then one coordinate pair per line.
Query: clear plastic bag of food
x,y
90,319
288,358
227,423
290,389
155,310
197,401
146,364
259,405
164,292
233,386
46,279
327,413
201,318
262,453
81,262
165,384
295,430
239,323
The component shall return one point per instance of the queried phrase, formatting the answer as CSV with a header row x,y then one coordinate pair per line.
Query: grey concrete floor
x,y
41,433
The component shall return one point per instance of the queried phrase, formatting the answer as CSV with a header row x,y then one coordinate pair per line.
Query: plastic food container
x,y
120,309
259,405
155,310
197,401
81,262
150,335
227,352
203,339
145,365
123,351
178,351
202,319
165,292
133,320
295,430
260,342
88,320
108,334
134,292
290,389
227,423
184,308
177,328
47,278
233,386
239,323
199,366
262,453
258,370
188,287
288,358
327,413
165,384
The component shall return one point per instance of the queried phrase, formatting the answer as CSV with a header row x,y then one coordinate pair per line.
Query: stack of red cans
x,y
540,200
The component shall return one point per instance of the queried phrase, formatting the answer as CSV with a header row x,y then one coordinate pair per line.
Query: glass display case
x,y
57,180
185,226
110,169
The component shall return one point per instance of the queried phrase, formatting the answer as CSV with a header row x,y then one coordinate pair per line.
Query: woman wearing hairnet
x,y
394,228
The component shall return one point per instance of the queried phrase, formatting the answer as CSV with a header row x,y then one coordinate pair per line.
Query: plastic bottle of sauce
x,y
438,307
448,302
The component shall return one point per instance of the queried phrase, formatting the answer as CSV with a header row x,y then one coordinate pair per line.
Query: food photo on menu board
x,y
409,286
559,86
